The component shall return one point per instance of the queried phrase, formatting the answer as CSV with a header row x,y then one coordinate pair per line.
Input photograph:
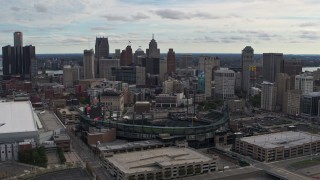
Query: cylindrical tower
x,y
18,39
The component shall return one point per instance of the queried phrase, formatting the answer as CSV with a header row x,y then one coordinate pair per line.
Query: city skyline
x,y
204,26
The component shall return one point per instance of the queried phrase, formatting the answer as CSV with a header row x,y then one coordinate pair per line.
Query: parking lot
x,y
10,169
70,174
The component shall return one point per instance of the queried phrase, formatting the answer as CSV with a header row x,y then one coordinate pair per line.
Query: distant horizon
x,y
184,53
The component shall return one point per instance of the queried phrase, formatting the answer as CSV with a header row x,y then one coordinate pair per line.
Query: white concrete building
x,y
70,76
161,163
278,146
17,122
292,102
304,82
224,83
167,86
268,96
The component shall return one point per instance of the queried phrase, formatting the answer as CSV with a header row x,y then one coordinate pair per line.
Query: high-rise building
x,y
105,67
130,74
208,64
88,64
310,104
291,103
30,63
292,67
18,39
272,65
102,52
116,54
304,82
268,96
171,61
19,60
153,58
224,83
163,70
102,48
70,76
283,85
139,52
246,61
126,56
8,62
186,61
253,75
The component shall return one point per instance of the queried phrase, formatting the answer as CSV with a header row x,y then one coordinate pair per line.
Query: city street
x,y
88,156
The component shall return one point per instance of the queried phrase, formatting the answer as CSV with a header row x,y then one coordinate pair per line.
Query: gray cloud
x,y
136,17
308,24
309,35
116,18
40,8
74,40
258,34
176,14
15,8
171,14
140,16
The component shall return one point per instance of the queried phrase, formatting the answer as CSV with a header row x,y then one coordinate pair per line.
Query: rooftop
x,y
67,111
125,145
156,159
17,117
108,92
285,139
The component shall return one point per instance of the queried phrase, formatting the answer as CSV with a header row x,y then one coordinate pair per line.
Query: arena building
x,y
161,163
278,146
17,122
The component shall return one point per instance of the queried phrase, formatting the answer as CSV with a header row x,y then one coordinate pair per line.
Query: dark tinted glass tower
x,y
19,60
246,61
18,39
8,60
272,65
29,56
101,51
153,58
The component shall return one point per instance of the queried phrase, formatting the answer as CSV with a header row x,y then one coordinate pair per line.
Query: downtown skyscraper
x,y
171,61
126,56
272,65
153,58
19,60
101,52
246,61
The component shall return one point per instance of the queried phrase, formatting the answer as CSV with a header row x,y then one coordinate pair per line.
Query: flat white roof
x,y
17,117
156,159
285,139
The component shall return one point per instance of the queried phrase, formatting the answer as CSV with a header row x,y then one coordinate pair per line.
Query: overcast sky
x,y
187,26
